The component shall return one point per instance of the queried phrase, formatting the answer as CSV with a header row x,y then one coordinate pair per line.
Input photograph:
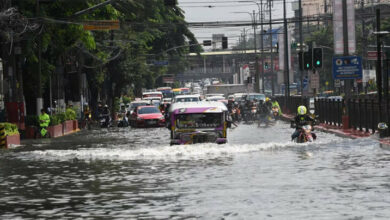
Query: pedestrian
x,y
44,121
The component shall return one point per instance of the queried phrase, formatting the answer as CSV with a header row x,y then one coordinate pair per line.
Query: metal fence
x,y
364,114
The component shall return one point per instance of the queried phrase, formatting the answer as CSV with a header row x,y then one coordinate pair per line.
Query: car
x,y
253,96
186,98
137,103
214,94
147,116
215,98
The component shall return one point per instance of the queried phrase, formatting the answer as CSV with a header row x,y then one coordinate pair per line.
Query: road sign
x,y
372,55
305,83
169,79
348,67
101,25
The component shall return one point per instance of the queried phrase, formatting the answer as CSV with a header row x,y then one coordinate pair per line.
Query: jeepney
x,y
198,122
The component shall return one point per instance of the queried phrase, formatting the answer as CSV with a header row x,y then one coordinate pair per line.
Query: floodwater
x,y
134,174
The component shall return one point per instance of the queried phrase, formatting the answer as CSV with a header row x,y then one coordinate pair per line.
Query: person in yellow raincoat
x,y
44,121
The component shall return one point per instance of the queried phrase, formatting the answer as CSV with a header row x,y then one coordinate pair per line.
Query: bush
x,y
70,114
55,120
32,120
10,129
61,117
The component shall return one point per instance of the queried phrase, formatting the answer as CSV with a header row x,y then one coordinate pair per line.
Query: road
x,y
134,174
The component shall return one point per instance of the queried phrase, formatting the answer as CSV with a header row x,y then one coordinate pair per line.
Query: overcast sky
x,y
227,10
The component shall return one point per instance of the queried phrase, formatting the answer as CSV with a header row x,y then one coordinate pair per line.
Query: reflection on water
x,y
134,173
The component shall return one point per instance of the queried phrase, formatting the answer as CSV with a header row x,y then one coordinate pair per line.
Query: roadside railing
x,y
291,104
364,114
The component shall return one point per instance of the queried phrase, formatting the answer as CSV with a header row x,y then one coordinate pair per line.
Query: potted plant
x,y
12,134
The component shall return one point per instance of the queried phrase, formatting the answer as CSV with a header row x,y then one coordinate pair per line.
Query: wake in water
x,y
177,152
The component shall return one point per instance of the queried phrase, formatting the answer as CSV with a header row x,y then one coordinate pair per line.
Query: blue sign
x,y
305,83
349,67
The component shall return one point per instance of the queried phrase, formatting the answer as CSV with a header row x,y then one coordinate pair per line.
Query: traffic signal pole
x,y
301,43
271,47
262,46
286,63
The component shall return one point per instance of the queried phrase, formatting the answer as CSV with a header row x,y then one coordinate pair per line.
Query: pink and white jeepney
x,y
198,122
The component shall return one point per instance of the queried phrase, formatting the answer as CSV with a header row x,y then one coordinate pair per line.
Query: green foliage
x,y
61,117
116,106
10,129
118,57
55,120
70,114
126,99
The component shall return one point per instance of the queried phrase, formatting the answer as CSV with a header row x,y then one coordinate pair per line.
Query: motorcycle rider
x,y
275,103
268,103
106,114
301,120
44,121
263,112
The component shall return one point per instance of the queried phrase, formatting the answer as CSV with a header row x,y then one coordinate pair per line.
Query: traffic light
x,y
224,42
266,65
249,80
308,60
317,58
300,60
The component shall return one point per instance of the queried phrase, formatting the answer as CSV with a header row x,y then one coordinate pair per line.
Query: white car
x,y
186,98
215,98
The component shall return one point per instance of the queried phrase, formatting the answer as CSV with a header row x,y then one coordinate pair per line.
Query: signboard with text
x,y
347,67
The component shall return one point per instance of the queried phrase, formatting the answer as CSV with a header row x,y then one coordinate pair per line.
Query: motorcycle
x,y
123,121
105,121
305,135
236,116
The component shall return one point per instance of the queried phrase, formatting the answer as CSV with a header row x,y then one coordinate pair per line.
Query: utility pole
x,y
301,42
257,89
271,47
379,59
286,63
364,45
347,82
39,103
262,45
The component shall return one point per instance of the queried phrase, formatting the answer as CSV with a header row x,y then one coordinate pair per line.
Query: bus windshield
x,y
199,120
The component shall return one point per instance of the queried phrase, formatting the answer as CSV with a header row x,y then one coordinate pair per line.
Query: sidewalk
x,y
346,133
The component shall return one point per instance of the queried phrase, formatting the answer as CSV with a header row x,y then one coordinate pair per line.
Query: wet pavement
x,y
134,174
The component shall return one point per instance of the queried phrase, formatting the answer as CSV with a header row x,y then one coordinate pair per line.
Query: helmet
x,y
267,99
302,110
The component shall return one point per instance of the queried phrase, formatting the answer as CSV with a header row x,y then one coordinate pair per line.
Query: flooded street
x,y
134,174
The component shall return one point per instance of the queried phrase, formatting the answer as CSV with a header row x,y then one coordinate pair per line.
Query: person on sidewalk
x,y
44,121
301,120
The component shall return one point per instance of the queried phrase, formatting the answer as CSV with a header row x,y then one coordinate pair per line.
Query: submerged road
x,y
134,174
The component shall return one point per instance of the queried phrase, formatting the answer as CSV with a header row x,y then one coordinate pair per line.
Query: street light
x,y
253,17
260,7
